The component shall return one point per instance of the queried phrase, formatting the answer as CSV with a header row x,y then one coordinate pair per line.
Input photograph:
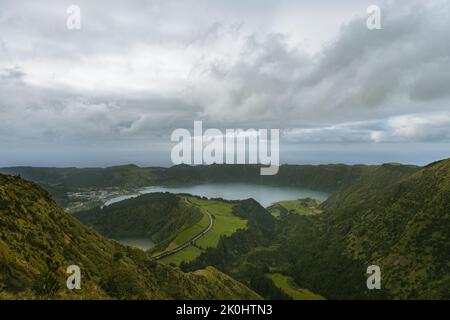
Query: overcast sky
x,y
113,91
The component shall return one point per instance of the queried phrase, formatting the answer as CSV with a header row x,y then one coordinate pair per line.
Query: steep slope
x,y
397,218
405,229
158,216
38,241
170,221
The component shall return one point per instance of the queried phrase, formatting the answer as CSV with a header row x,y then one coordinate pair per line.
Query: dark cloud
x,y
15,74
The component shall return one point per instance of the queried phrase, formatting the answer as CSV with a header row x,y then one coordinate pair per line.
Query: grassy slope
x,y
303,207
158,216
168,220
225,223
38,240
186,255
190,231
286,284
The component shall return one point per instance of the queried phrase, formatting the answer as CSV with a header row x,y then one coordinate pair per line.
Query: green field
x,y
291,289
225,223
187,234
186,255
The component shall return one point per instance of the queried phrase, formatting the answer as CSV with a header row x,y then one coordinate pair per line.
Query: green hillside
x,y
305,206
225,223
38,240
59,181
403,227
326,178
168,220
158,216
394,216
126,175
290,288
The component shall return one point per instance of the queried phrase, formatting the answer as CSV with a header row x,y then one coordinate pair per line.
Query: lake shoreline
x,y
264,194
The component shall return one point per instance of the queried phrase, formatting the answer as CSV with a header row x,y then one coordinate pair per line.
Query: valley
x,y
38,240
289,247
224,150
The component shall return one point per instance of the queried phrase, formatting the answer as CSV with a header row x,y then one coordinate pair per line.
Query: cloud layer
x,y
140,69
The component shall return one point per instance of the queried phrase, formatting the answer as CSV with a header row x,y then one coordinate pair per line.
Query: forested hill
x,y
394,216
158,216
58,181
327,178
126,175
403,226
38,241
319,177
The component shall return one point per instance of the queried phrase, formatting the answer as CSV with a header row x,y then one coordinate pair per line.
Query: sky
x,y
113,91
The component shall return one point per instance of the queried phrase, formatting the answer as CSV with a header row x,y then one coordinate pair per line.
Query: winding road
x,y
191,241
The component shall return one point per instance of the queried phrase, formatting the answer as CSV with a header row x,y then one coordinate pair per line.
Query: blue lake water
x,y
264,194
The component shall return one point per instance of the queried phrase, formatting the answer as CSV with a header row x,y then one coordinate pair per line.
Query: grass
x,y
305,207
187,234
225,223
289,287
188,254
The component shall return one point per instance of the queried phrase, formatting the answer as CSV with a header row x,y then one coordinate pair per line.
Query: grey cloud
x,y
15,74
360,70
422,127
270,80
229,71
433,82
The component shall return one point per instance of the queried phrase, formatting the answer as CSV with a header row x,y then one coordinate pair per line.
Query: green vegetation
x,y
230,253
290,288
38,241
191,231
326,178
303,207
168,220
70,178
394,216
186,255
225,223
402,225
158,216
60,181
